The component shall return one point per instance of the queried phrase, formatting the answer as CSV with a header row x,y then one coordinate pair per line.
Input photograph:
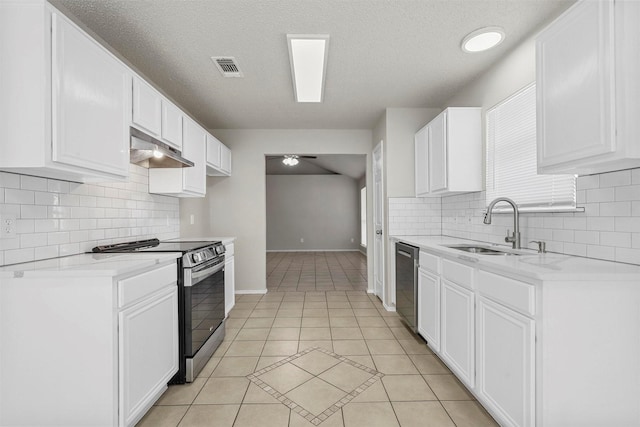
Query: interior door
x,y
378,221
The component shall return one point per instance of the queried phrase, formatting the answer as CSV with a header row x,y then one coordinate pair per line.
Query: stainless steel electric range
x,y
200,298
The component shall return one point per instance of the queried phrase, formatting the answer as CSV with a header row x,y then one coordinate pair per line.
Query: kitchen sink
x,y
481,250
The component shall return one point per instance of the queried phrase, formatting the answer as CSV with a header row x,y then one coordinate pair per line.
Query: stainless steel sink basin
x,y
481,250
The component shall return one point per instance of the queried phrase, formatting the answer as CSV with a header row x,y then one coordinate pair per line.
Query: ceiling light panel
x,y
482,39
308,57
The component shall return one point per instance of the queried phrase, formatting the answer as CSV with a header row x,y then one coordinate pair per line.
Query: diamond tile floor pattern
x,y
333,358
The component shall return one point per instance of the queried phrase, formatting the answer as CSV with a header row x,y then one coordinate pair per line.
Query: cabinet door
x,y
429,308
225,159
457,340
213,152
438,153
90,103
172,125
421,141
575,85
148,352
505,356
194,140
229,285
147,107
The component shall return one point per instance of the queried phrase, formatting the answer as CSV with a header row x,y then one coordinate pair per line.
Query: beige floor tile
x,y
468,414
315,312
341,312
315,322
402,333
285,313
350,347
379,414
267,305
268,361
284,334
209,367
346,334
429,364
233,366
315,304
249,305
257,395
204,416
421,414
362,304
345,376
326,344
374,393
377,333
280,348
407,388
246,348
366,312
263,313
315,362
261,322
394,364
371,322
253,334
393,322
287,322
334,420
263,415
339,304
363,360
343,322
315,395
239,314
222,349
163,416
384,347
234,323
415,347
285,377
447,387
315,334
230,333
234,390
181,394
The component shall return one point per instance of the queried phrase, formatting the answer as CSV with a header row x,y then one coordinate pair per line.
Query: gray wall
x,y
321,209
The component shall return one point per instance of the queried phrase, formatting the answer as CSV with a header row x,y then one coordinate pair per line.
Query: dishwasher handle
x,y
403,253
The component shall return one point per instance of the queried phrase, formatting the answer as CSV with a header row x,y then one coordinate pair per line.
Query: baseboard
x,y
388,308
251,291
314,250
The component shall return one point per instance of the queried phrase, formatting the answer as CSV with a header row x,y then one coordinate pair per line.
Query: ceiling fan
x,y
291,159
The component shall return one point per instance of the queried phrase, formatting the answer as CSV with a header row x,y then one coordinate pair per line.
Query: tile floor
x,y
310,357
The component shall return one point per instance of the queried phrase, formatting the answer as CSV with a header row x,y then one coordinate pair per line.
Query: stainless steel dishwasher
x,y
407,283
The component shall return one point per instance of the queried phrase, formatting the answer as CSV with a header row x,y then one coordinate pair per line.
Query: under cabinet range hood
x,y
149,152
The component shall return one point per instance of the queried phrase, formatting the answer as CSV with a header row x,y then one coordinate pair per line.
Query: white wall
x,y
58,218
320,209
236,205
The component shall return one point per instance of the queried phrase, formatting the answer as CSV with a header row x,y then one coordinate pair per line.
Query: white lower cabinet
x,y
148,343
429,308
505,362
229,279
457,341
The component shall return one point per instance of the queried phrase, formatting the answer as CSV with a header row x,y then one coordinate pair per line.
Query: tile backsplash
x,y
57,218
608,229
409,216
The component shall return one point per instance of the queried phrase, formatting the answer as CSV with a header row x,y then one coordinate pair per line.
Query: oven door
x,y
204,313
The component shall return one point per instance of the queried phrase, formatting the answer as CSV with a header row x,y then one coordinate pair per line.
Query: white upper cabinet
x,y
64,110
155,115
587,89
184,182
449,153
218,157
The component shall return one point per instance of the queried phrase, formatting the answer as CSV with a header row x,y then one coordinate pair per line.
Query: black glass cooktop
x,y
153,245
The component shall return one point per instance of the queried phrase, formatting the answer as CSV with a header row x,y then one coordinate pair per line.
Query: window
x,y
363,217
512,162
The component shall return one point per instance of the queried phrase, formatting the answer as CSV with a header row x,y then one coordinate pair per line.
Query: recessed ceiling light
x,y
308,57
482,39
290,160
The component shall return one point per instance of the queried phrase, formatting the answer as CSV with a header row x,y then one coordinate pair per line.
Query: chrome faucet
x,y
514,238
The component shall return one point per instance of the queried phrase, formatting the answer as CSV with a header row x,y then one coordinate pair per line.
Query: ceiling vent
x,y
228,66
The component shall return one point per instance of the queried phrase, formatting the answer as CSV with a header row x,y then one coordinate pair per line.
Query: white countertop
x,y
530,265
224,240
88,265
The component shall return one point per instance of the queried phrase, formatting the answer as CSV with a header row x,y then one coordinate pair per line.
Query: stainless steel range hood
x,y
148,152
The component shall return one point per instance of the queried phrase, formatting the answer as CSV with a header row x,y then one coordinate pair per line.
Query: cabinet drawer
x,y
457,273
139,286
517,295
429,262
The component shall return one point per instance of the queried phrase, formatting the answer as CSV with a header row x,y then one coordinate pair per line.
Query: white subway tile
x,y
9,180
631,256
19,197
46,225
44,252
33,183
59,211
602,223
55,186
563,235
628,192
6,244
24,226
97,234
635,176
70,200
615,209
49,199
15,256
69,224
601,252
69,249
32,240
58,238
575,223
635,241
586,182
587,237
597,195
614,179
33,212
627,224
612,238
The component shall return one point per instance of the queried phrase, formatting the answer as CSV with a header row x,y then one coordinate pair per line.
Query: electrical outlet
x,y
302,240
7,226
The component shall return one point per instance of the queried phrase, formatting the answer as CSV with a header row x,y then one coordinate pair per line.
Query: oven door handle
x,y
197,276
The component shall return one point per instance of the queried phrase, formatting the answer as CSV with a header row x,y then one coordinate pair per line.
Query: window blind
x,y
512,162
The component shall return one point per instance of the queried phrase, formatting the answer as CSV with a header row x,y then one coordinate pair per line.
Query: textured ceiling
x,y
382,53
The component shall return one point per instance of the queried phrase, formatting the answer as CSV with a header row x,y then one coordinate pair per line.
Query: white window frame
x,y
511,160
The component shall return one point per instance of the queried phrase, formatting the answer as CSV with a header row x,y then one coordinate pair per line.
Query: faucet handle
x,y
510,237
542,246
